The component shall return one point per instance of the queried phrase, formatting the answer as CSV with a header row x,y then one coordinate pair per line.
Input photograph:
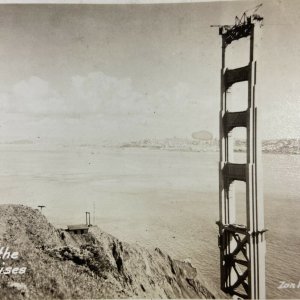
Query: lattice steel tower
x,y
242,247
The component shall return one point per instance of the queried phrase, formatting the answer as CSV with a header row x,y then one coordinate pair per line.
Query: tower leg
x,y
242,247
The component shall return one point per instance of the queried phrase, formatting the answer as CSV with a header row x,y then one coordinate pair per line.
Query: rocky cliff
x,y
60,264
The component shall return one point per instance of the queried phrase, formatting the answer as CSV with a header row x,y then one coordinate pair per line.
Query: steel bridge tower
x,y
242,247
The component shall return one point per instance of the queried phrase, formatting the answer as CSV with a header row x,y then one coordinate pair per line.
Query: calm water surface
x,y
157,199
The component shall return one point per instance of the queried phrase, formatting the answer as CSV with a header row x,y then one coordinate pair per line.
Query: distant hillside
x,y
280,146
63,265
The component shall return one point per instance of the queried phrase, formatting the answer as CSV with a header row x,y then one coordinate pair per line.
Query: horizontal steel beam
x,y
234,119
233,172
232,76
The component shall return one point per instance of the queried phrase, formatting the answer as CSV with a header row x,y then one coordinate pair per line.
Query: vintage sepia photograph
x,y
150,149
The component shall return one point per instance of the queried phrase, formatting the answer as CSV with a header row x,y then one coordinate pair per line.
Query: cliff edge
x,y
61,264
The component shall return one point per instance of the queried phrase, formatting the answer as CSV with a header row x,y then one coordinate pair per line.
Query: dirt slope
x,y
94,265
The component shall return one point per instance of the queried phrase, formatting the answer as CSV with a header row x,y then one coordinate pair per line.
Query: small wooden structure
x,y
78,229
88,218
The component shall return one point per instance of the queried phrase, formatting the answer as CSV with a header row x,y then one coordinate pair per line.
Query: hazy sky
x,y
126,72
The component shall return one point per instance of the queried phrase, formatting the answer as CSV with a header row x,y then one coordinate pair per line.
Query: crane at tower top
x,y
250,13
242,26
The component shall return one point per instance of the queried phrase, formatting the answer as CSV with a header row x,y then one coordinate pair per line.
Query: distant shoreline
x,y
264,151
280,146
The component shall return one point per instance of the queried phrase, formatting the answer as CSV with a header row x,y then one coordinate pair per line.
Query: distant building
x,y
203,136
78,229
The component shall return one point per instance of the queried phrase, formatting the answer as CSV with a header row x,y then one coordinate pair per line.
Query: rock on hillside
x,y
93,265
